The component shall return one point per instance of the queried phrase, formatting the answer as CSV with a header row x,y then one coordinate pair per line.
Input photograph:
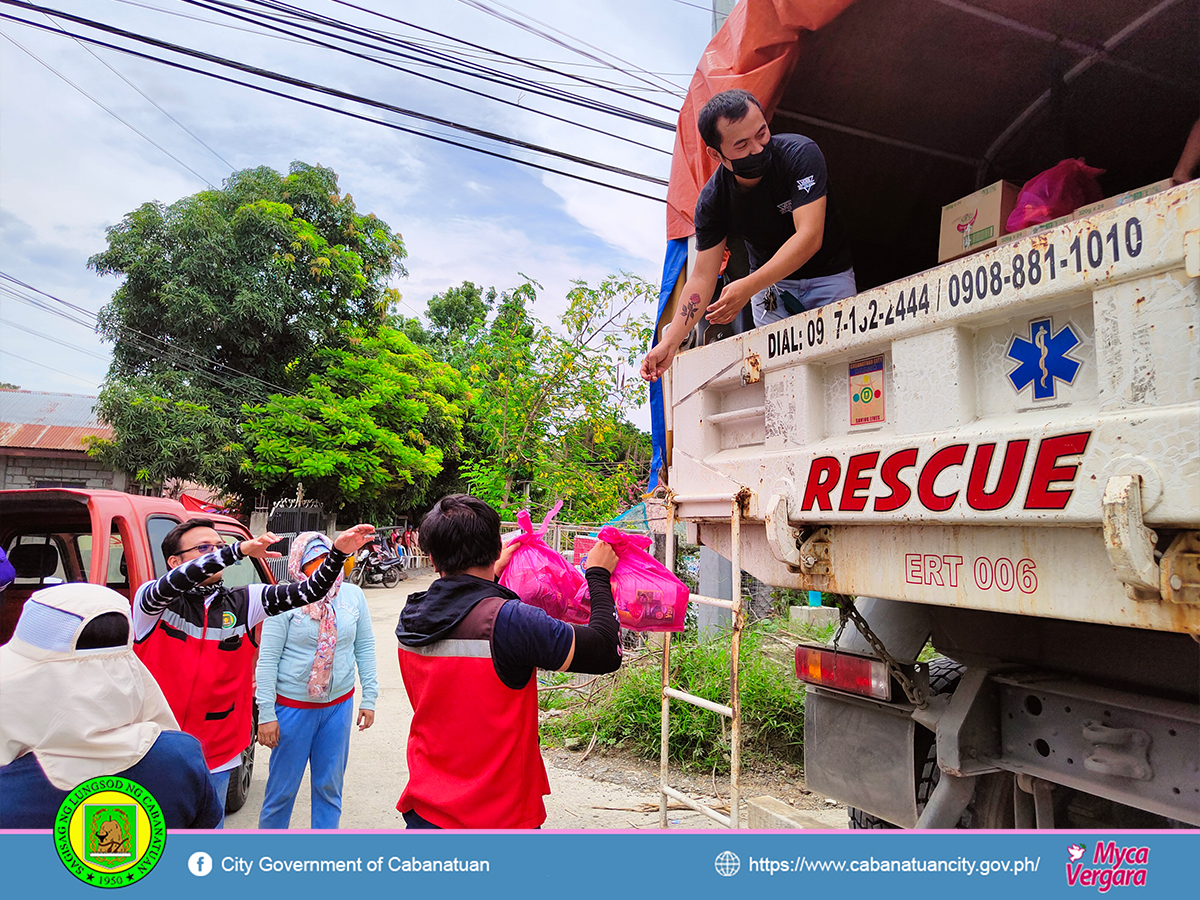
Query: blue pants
x,y
220,782
770,306
320,739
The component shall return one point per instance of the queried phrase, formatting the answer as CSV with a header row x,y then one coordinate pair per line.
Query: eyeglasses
x,y
203,548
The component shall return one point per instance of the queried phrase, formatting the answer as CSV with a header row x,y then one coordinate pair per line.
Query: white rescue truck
x,y
1000,455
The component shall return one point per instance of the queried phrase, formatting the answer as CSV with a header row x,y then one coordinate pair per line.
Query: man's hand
x,y
658,360
735,295
257,547
507,549
352,538
603,555
366,718
268,734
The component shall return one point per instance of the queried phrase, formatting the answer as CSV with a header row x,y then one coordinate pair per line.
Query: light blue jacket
x,y
289,643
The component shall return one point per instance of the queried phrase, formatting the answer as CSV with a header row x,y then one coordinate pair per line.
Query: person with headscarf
x,y
305,690
77,704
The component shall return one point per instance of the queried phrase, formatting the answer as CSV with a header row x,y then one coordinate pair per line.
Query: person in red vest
x,y
196,636
469,649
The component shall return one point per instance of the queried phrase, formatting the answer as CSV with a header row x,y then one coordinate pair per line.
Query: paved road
x,y
600,795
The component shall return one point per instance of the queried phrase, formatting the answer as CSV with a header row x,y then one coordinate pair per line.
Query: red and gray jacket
x,y
199,644
473,754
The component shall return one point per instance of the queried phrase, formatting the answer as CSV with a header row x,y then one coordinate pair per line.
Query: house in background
x,y
41,443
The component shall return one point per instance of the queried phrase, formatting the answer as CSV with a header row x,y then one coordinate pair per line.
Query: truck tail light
x,y
843,672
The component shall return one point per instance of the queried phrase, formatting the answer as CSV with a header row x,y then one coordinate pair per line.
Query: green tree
x,y
549,409
229,295
161,438
370,433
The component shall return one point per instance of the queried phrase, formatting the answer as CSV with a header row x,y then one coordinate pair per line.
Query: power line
x,y
382,62
266,384
140,134
318,105
316,88
153,103
453,63
507,56
143,346
55,340
88,381
483,7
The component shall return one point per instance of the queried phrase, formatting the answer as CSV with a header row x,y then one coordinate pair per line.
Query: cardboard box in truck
x,y
976,221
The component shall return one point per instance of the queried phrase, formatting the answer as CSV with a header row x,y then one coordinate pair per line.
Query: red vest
x,y
206,671
473,754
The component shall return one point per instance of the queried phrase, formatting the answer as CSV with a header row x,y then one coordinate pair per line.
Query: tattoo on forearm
x,y
688,309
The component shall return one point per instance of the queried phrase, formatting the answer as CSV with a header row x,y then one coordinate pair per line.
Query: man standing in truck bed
x,y
196,636
772,192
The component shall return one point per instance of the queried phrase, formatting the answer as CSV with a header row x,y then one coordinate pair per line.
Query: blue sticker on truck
x,y
1043,360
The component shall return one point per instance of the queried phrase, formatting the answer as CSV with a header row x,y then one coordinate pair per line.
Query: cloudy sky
x,y
70,168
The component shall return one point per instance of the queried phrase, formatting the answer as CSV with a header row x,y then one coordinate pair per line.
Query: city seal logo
x,y
110,832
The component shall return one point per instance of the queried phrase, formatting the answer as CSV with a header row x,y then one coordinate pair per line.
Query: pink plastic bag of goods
x,y
540,576
1056,192
647,595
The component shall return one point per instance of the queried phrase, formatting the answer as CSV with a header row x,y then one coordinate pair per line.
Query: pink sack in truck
x,y
647,595
540,576
1058,191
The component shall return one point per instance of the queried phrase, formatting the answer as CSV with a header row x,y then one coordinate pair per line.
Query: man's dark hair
x,y
174,539
732,105
460,533
110,629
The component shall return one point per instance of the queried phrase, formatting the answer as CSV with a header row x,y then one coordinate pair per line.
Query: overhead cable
x,y
343,112
318,88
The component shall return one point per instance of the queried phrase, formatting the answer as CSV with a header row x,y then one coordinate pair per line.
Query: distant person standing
x,y
305,690
772,192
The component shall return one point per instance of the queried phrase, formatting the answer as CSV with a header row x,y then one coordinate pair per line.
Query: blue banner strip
x,y
604,865
673,266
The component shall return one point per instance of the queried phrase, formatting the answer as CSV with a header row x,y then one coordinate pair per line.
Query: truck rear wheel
x,y
991,807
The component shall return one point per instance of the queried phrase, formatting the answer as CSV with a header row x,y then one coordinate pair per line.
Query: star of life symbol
x,y
784,207
806,184
1043,360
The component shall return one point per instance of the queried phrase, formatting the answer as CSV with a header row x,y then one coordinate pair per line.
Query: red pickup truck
x,y
57,535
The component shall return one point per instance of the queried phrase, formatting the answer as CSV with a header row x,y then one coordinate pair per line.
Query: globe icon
x,y
727,863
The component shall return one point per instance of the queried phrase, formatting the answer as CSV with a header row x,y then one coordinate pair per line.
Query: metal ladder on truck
x,y
733,711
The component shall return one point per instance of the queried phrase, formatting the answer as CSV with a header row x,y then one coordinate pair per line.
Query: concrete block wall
x,y
19,472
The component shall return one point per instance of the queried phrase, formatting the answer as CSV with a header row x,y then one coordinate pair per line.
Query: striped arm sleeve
x,y
156,596
279,598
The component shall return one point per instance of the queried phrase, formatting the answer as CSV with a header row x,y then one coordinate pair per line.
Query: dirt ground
x,y
605,790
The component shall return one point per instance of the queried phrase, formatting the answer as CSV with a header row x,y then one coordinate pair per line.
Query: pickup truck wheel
x,y
239,779
239,782
391,578
991,807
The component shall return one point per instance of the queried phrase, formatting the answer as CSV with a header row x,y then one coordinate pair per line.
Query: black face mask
x,y
754,166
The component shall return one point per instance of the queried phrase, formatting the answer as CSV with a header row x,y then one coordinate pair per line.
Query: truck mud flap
x,y
861,753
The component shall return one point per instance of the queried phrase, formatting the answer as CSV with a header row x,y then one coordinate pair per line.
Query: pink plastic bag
x,y
648,596
540,576
1056,192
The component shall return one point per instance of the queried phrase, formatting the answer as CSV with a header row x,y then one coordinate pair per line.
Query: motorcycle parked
x,y
373,568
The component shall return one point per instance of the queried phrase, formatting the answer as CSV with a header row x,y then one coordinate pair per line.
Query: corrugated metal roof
x,y
44,421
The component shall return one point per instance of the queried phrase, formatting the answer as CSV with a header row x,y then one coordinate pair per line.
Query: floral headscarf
x,y
322,611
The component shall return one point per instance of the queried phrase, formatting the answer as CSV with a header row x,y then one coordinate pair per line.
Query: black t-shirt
x,y
762,216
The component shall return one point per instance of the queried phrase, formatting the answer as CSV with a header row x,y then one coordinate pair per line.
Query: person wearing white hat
x,y
305,690
77,704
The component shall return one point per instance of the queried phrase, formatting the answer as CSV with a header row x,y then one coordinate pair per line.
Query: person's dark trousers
x,y
412,820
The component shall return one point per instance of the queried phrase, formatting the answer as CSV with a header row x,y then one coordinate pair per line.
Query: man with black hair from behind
x,y
469,651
